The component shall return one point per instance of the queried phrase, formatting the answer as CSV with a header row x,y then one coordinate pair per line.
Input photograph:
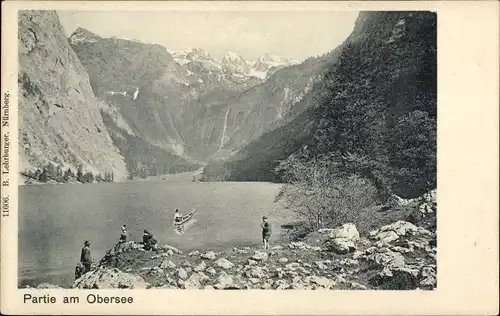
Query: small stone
x,y
357,286
202,266
210,271
283,260
194,253
182,274
202,276
292,266
322,281
210,255
266,286
260,256
224,263
193,282
321,265
254,280
225,279
255,272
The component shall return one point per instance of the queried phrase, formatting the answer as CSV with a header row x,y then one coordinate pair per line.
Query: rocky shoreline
x,y
398,256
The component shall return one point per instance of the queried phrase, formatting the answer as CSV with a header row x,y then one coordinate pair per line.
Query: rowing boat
x,y
185,218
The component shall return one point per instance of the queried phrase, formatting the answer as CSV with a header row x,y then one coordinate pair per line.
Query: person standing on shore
x,y
123,235
266,232
86,257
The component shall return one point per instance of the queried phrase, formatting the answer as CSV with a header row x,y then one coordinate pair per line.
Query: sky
x,y
250,34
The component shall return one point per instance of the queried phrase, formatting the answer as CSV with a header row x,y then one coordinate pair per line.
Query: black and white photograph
x,y
249,158
227,151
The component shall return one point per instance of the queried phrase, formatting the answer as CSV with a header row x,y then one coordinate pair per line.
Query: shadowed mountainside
x,y
374,111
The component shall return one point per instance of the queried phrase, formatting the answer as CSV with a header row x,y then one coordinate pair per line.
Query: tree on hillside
x,y
44,175
80,175
66,176
413,152
88,177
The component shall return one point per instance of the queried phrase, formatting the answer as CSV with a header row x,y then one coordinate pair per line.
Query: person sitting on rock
x,y
148,240
266,232
86,257
79,270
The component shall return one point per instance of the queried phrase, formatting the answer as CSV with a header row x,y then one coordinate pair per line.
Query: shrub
x,y
319,197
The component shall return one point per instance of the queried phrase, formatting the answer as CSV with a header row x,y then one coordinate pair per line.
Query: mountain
x,y
274,102
270,63
373,112
59,116
235,63
188,103
160,99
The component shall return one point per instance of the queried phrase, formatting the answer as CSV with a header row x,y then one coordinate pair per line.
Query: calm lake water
x,y
54,220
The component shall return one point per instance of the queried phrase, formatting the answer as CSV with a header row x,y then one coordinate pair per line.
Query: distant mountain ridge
x,y
189,103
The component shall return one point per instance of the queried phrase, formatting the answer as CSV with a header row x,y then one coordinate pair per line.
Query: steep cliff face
x,y
141,80
373,112
59,116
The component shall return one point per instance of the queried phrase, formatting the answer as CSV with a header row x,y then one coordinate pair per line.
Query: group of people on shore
x,y
87,261
149,243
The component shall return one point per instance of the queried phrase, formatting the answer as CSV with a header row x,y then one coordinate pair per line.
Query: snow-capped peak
x,y
232,56
235,63
266,61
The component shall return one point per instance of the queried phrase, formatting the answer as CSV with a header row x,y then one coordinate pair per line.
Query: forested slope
x,y
372,114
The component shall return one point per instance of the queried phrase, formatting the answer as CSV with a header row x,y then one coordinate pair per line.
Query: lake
x,y
55,220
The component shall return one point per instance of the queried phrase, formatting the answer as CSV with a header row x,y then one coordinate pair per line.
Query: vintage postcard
x,y
249,158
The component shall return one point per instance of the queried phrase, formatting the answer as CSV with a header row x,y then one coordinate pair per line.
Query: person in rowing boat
x,y
178,221
177,216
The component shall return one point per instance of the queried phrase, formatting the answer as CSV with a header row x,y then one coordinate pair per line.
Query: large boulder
x,y
344,238
106,278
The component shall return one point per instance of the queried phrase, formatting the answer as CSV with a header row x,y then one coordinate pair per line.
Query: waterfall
x,y
223,138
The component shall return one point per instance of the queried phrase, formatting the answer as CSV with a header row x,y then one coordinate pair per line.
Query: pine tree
x,y
66,176
44,176
79,175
